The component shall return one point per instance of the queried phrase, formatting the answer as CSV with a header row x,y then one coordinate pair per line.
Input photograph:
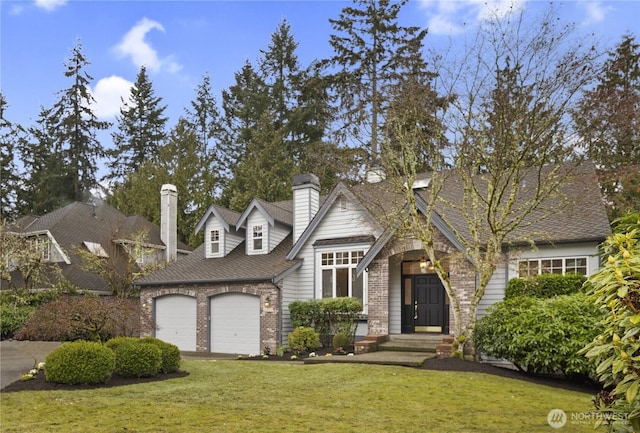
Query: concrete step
x,y
426,343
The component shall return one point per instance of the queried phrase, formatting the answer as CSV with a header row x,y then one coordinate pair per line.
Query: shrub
x,y
304,313
540,335
614,353
13,318
545,285
170,354
80,362
328,316
303,339
341,340
115,343
138,359
83,318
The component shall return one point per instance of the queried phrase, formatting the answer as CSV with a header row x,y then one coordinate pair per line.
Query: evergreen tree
x,y
141,130
243,104
277,115
75,126
178,162
608,122
10,135
205,119
372,53
48,183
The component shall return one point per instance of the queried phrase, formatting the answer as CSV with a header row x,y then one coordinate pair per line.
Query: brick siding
x,y
269,330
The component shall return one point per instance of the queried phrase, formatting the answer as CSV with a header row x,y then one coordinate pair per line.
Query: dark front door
x,y
424,305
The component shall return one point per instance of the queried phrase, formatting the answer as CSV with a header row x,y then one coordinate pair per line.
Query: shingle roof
x,y
236,266
581,219
76,223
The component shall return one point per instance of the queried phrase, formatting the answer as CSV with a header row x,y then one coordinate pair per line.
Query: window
x,y
42,244
214,241
257,238
338,274
572,265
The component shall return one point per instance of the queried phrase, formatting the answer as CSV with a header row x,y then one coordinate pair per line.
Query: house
x,y
231,295
102,230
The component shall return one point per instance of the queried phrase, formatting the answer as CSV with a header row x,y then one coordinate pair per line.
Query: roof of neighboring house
x,y
76,223
236,266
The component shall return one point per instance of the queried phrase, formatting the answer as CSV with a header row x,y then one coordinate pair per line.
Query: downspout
x,y
279,339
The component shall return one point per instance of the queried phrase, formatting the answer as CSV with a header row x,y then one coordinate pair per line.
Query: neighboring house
x,y
102,230
232,294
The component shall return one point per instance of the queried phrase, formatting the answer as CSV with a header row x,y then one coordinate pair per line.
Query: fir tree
x,y
74,126
608,123
372,53
141,130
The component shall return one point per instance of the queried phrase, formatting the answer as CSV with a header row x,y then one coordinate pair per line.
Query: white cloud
x,y
141,52
446,17
50,5
109,93
595,10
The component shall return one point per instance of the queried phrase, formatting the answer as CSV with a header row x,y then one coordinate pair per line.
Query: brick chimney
x,y
169,220
306,202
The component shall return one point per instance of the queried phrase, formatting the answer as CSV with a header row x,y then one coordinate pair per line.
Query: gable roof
x,y
234,267
339,190
77,224
277,211
228,217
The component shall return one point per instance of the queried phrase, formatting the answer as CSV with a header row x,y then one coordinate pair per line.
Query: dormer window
x,y
214,241
257,238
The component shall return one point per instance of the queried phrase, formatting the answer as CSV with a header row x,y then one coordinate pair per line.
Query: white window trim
x,y
212,242
564,264
254,230
341,249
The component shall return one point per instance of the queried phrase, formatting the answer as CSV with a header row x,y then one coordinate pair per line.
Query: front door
x,y
424,306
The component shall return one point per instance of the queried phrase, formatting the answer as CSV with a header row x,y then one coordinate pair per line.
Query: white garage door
x,y
176,320
235,323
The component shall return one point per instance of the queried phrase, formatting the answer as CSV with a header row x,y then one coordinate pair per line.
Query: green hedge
x,y
80,362
545,286
138,359
328,316
540,335
170,354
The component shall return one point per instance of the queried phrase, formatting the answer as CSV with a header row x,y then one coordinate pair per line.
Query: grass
x,y
232,396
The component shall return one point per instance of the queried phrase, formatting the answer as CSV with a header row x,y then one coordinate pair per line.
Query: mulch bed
x,y
449,364
39,383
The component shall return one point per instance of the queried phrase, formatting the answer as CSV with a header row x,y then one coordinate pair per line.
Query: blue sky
x,y
179,41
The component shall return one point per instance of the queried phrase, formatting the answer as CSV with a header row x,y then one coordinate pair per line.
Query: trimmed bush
x,y
540,335
545,286
80,362
170,354
304,313
328,316
115,343
341,340
138,359
303,339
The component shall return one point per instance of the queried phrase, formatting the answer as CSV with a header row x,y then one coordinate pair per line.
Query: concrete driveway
x,y
18,357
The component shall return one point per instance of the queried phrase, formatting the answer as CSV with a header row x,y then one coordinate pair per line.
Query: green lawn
x,y
238,396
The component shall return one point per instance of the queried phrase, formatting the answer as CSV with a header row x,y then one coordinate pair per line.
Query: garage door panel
x,y
235,323
176,320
